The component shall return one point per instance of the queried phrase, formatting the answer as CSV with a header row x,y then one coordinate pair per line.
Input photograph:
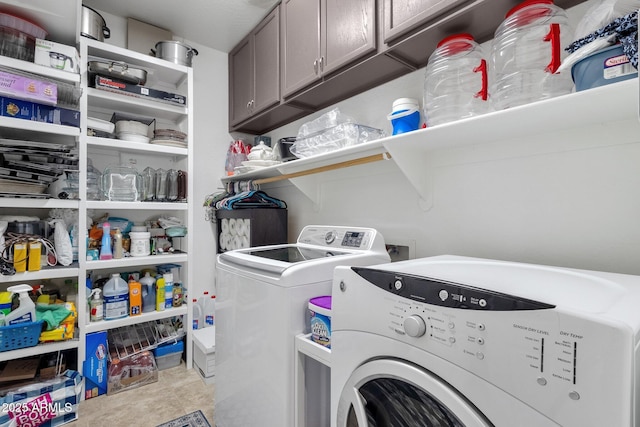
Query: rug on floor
x,y
194,419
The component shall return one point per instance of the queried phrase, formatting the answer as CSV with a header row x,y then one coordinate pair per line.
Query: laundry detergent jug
x,y
116,298
456,81
526,52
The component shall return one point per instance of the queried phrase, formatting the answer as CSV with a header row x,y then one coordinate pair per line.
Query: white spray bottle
x,y
96,305
26,311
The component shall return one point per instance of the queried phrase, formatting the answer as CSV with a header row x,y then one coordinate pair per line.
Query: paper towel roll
x,y
221,241
227,241
244,242
233,226
224,225
242,227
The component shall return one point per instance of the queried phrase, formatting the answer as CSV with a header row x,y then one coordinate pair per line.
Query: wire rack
x,y
127,341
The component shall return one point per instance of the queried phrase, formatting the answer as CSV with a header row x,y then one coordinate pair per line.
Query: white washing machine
x,y
453,341
261,305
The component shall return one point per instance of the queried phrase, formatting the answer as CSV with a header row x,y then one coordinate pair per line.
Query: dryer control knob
x,y
414,326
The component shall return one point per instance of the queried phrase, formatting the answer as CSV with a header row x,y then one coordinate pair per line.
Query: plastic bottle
x,y
526,52
160,294
148,293
96,305
118,251
168,290
456,81
105,250
197,314
116,298
135,298
26,310
177,294
209,311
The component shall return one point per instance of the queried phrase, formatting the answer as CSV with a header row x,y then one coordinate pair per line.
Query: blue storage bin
x,y
601,68
163,350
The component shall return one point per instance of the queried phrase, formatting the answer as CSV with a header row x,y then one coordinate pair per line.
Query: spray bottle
x,y
105,249
26,310
96,305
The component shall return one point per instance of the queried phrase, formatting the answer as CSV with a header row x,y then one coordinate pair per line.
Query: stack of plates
x,y
132,130
169,137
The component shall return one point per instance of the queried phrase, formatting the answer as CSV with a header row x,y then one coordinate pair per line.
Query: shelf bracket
x,y
418,170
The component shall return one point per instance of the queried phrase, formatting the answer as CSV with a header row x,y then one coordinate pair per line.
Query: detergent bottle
x,y
148,293
26,310
160,294
116,298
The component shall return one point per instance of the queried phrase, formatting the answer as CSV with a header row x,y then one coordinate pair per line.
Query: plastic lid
x,y
461,36
322,301
401,101
532,14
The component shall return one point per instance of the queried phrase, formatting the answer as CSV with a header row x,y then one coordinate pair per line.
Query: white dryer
x,y
262,304
453,341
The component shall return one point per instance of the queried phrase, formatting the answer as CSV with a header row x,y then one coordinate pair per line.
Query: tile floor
x,y
178,391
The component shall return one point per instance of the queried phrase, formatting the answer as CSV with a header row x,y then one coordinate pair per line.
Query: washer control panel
x,y
338,237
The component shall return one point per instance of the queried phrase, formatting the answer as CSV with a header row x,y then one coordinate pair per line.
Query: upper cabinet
x,y
254,70
402,16
322,36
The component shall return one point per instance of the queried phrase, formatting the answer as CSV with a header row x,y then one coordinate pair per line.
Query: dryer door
x,y
393,393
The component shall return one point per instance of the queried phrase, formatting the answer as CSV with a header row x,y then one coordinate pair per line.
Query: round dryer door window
x,y
392,393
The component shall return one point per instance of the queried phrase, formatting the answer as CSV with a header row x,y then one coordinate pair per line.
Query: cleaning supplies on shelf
x,y
197,314
96,305
135,298
118,251
160,294
209,311
116,298
148,293
168,290
26,310
105,250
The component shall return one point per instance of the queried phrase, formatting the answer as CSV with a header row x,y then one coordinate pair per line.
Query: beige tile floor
x,y
178,391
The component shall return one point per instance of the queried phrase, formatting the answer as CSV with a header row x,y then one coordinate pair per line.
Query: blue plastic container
x,y
601,68
405,115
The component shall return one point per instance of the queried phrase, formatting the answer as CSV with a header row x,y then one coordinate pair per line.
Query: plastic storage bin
x,y
21,335
204,353
601,68
168,356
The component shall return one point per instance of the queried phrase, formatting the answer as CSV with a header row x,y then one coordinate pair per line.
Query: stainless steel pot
x,y
93,25
175,51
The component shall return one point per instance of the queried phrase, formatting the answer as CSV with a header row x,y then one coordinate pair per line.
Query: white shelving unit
x,y
61,21
102,104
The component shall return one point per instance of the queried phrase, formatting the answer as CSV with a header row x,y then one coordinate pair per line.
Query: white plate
x,y
169,142
132,137
260,163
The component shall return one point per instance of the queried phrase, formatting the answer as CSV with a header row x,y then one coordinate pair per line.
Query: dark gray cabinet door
x,y
254,70
267,62
402,16
241,80
349,32
301,44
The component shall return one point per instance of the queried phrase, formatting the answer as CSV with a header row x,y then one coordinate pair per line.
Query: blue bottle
x,y
105,250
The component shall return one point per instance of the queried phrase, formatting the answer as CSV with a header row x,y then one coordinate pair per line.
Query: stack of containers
x,y
456,82
526,52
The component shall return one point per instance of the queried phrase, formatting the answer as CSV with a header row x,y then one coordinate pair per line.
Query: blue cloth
x,y
624,28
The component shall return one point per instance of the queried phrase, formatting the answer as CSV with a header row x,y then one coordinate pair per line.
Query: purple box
x,y
27,110
28,88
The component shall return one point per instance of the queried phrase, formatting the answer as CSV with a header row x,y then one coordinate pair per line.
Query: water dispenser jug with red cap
x,y
456,82
526,52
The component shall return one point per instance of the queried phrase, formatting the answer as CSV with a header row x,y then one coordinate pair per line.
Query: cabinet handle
x,y
249,106
321,63
253,104
315,66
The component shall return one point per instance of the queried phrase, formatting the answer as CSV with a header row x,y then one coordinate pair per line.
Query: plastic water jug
x,y
148,293
456,81
526,51
116,298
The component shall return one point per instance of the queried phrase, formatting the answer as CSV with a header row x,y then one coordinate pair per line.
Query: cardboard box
x,y
28,88
94,367
111,85
27,110
57,55
132,372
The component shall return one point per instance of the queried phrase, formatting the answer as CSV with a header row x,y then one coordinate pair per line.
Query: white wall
x,y
210,133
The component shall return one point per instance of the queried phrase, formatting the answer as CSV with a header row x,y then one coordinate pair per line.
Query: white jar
x,y
140,243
